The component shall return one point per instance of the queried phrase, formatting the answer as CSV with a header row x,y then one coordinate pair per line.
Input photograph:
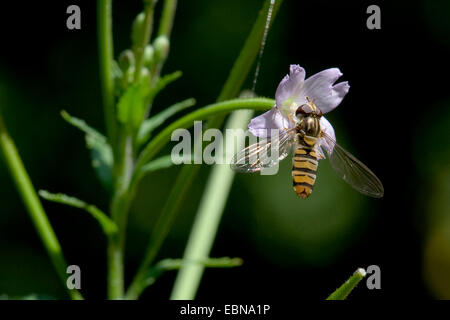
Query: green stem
x,y
207,220
167,17
115,267
343,291
34,207
106,56
123,168
202,235
165,29
119,143
139,48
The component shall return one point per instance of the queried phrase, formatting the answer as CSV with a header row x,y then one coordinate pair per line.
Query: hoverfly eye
x,y
300,111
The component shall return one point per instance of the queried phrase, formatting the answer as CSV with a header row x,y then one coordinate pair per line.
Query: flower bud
x,y
161,45
126,60
149,55
137,29
145,73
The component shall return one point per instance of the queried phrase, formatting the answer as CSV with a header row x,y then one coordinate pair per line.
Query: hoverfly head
x,y
308,109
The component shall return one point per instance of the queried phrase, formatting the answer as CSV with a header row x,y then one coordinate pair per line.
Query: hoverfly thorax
x,y
309,125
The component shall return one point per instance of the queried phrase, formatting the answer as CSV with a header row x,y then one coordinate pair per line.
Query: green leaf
x,y
248,53
154,122
82,125
174,264
343,291
108,226
101,152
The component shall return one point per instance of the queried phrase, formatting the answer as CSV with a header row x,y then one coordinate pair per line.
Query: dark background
x,y
395,118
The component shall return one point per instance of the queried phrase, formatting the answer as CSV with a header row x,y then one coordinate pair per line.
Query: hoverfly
x,y
306,137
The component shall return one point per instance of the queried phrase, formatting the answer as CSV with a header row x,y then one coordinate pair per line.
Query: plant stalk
x,y
106,58
34,207
146,34
120,204
207,220
165,29
167,17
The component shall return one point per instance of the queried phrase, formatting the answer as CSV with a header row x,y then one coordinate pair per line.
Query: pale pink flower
x,y
292,92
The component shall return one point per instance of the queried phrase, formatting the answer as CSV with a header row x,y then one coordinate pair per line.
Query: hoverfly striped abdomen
x,y
304,168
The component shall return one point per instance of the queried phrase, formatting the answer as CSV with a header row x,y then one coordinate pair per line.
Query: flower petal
x,y
326,127
273,119
320,88
291,85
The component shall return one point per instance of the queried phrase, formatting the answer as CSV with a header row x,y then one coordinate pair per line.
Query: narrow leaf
x,y
174,264
343,291
152,123
225,262
108,226
82,125
101,152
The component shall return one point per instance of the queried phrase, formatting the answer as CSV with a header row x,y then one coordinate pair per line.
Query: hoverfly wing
x,y
261,155
353,171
